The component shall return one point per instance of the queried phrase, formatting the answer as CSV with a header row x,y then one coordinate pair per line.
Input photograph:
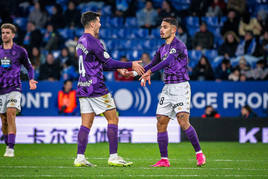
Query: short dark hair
x,y
88,17
66,81
9,26
171,20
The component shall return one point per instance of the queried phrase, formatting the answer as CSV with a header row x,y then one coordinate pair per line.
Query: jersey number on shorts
x,y
161,100
81,66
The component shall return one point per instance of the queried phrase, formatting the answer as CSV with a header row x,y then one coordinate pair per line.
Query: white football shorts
x,y
10,100
174,98
97,105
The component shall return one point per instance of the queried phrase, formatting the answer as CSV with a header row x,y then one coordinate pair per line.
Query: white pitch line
x,y
109,176
153,159
144,168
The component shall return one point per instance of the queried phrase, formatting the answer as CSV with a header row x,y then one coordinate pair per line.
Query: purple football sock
x,y
162,139
113,138
192,136
11,140
82,139
6,139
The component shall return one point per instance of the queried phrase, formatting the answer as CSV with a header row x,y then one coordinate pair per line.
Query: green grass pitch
x,y
224,160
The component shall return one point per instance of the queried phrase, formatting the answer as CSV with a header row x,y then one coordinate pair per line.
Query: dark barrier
x,y
230,129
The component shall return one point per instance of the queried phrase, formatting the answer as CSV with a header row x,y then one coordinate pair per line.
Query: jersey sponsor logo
x,y
178,104
12,101
5,62
106,55
87,83
173,50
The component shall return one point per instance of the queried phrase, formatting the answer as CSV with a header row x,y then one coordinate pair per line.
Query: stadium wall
x,y
231,129
40,129
133,100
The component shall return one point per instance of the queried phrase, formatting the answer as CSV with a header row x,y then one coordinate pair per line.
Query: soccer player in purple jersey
x,y
174,101
12,57
93,95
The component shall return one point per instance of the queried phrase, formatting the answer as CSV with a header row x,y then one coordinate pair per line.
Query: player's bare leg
x,y
5,131
87,121
114,159
11,126
183,119
162,139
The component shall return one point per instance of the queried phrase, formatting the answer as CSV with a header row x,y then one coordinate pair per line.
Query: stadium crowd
x,y
226,39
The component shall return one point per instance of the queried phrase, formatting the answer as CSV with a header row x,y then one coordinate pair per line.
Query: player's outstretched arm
x,y
137,67
32,84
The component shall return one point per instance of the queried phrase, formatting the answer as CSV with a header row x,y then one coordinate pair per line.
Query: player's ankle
x,y
80,156
113,155
198,152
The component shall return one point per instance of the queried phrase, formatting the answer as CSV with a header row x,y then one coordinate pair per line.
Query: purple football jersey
x,y
93,59
173,58
11,61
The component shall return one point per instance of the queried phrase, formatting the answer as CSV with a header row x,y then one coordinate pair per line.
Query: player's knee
x,y
11,116
113,120
162,126
183,120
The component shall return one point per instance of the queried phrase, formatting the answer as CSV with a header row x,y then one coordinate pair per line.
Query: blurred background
x,y
227,43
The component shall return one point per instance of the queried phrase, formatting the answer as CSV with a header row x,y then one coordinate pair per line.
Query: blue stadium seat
x,y
192,63
79,32
105,33
105,22
152,53
259,7
90,6
66,33
218,40
155,33
121,44
210,54
43,30
116,22
111,44
106,11
21,22
181,4
137,44
194,55
192,30
192,21
223,19
137,33
49,9
109,75
119,33
159,42
134,54
148,43
62,2
131,22
56,53
130,44
211,21
157,3
115,54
